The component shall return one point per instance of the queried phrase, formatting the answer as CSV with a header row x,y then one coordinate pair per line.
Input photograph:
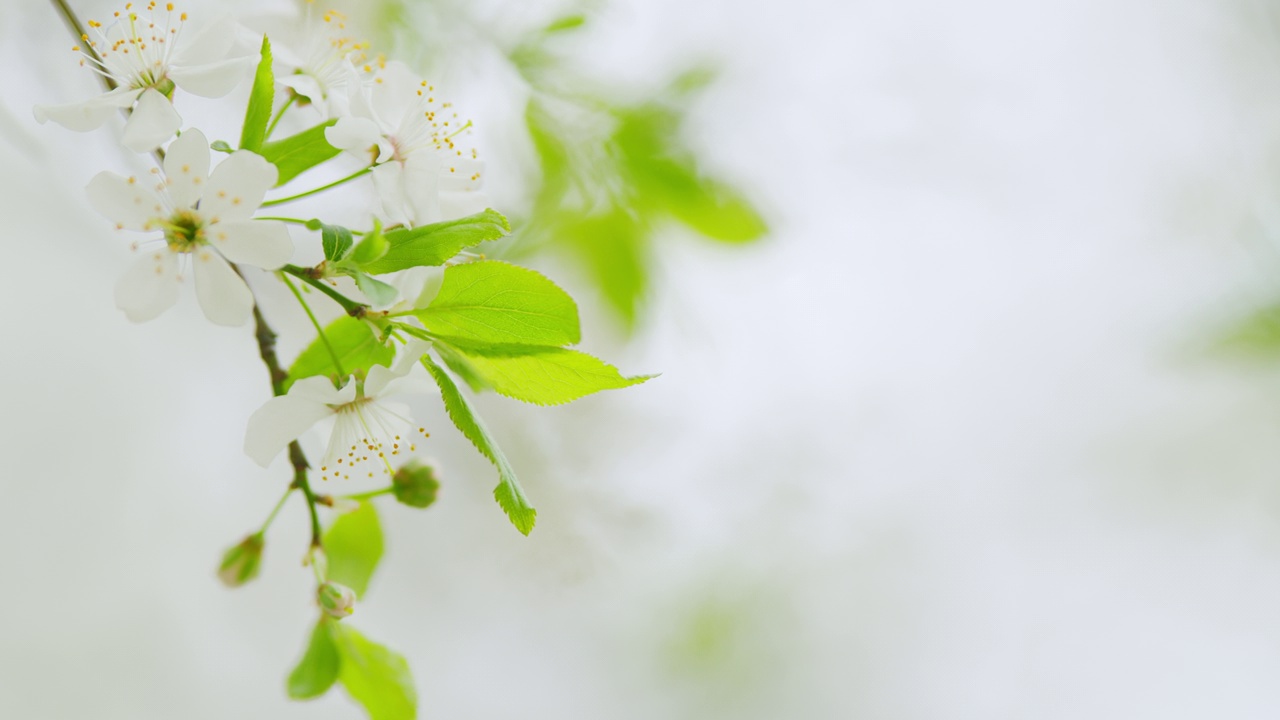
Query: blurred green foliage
x,y
615,168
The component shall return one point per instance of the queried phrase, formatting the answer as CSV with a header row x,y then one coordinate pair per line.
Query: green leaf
x,y
261,99
541,375
353,545
376,677
317,671
568,22
337,241
1257,335
461,368
354,342
298,153
494,302
378,292
613,247
508,493
372,246
221,146
435,244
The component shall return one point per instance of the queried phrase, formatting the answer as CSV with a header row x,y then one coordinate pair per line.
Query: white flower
x,y
420,173
313,59
146,58
368,431
205,218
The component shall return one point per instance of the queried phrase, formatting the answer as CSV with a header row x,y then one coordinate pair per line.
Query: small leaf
x,y
435,244
318,669
568,22
298,153
261,99
378,292
508,493
1257,335
221,146
376,677
613,247
353,545
494,302
354,342
337,241
541,375
372,246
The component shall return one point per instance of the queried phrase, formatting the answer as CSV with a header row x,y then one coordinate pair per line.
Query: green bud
x,y
415,484
166,87
240,564
337,601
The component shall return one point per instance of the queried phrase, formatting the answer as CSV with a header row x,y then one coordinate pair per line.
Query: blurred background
x,y
969,403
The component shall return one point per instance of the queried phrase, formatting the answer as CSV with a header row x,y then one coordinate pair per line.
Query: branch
x,y
308,276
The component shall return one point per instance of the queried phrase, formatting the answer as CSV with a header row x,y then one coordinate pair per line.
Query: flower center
x,y
184,231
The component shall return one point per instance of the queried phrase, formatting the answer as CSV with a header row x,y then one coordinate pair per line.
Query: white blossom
x,y
420,172
369,431
146,57
315,58
206,221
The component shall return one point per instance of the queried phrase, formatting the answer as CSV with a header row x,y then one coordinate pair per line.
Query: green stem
x,y
353,308
334,184
333,355
415,332
279,114
73,23
294,221
272,517
371,494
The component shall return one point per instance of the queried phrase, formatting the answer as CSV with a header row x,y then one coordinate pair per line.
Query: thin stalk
x,y
293,221
74,25
334,184
353,308
371,494
272,517
333,355
279,114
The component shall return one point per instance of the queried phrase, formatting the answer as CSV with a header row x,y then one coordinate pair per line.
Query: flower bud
x,y
415,484
336,600
240,563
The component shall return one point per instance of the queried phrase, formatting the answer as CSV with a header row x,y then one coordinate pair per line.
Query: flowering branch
x,y
73,23
308,276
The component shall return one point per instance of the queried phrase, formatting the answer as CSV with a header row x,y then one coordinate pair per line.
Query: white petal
x,y
211,44
395,93
223,296
388,181
382,380
186,168
376,381
422,186
149,286
454,205
88,115
237,186
306,86
152,123
319,389
214,79
457,173
353,133
126,202
279,422
262,243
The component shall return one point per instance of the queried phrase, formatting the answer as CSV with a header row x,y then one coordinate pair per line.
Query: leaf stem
x,y
371,494
333,354
272,517
279,114
353,308
334,184
293,221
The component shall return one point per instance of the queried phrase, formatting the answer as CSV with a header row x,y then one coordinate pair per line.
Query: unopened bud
x,y
240,564
415,484
336,600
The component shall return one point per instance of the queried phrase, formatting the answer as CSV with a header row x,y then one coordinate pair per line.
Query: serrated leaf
x,y
437,243
378,292
461,368
353,545
337,240
298,153
318,669
375,676
372,246
495,302
508,493
354,342
261,100
541,375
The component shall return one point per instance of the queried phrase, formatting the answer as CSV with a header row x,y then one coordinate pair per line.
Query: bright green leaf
x,y
318,669
298,153
614,250
336,239
494,302
376,677
354,342
1258,334
568,22
372,246
378,292
353,545
435,244
261,99
461,368
542,375
508,493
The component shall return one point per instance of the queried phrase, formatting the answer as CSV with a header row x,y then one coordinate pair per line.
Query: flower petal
x,y
394,93
279,422
308,87
213,80
223,296
388,181
263,243
422,186
382,380
210,45
356,134
454,205
90,114
149,286
126,202
237,186
152,123
319,389
186,168
459,174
